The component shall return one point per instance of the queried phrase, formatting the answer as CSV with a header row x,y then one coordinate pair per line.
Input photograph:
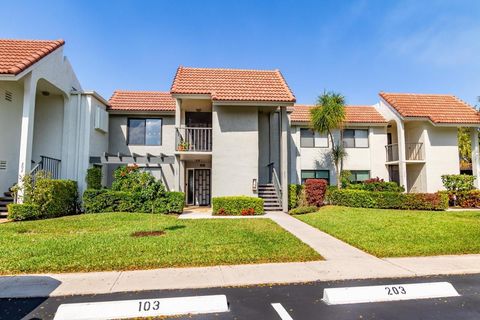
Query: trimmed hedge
x,y
233,205
303,210
315,190
94,178
56,198
469,199
293,192
172,202
25,211
376,184
388,200
98,201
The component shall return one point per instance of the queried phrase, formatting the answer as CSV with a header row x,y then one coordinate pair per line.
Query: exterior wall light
x,y
254,185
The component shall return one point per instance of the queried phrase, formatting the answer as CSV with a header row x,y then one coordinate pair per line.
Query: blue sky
x,y
358,48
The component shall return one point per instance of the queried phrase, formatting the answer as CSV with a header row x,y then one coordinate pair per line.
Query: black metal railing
x,y
48,164
193,139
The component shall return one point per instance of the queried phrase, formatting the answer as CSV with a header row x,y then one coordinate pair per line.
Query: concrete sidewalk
x,y
343,262
43,285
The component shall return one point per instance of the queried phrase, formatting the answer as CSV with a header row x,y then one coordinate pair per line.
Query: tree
x,y
326,116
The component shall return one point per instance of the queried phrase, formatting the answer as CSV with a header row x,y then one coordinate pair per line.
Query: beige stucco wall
x,y
10,120
48,127
235,150
372,158
118,143
441,155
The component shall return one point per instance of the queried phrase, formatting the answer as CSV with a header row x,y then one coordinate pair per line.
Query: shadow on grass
x,y
175,227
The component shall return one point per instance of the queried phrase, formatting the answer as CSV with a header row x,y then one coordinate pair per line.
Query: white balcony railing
x,y
193,139
413,151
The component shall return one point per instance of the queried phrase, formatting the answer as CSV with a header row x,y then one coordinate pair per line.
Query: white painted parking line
x,y
126,309
281,311
392,292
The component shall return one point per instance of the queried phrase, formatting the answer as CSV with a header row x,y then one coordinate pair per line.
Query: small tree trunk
x,y
337,171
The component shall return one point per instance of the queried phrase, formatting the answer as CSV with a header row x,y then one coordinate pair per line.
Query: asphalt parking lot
x,y
300,301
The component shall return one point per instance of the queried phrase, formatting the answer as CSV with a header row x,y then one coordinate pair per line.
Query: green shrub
x,y
376,184
172,202
131,179
25,211
94,178
469,199
56,198
97,201
388,200
233,205
458,182
303,210
293,194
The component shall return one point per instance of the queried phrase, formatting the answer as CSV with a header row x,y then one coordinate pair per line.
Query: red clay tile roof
x,y
141,101
233,84
18,55
439,108
353,114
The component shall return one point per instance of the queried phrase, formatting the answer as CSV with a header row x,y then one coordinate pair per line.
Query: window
x,y
355,138
145,132
359,175
311,139
315,174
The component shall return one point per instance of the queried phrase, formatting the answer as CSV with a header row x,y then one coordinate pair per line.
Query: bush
x,y
303,210
97,201
376,184
388,200
94,178
56,198
26,211
172,202
293,194
233,205
469,199
315,190
458,182
131,179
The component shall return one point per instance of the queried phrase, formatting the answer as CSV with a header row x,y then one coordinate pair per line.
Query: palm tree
x,y
327,115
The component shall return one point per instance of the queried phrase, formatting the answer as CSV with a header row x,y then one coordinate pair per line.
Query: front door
x,y
198,187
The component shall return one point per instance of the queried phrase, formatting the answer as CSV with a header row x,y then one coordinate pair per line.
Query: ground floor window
x,y
315,174
357,176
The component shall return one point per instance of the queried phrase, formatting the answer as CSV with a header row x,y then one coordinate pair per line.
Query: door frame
x,y
187,185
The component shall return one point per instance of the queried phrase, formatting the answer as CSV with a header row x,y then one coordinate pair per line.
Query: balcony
x,y
413,152
191,139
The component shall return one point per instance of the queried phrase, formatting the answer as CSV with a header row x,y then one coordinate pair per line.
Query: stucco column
x,y
284,157
402,165
26,135
475,155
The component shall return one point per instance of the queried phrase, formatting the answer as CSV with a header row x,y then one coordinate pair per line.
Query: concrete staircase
x,y
268,194
4,201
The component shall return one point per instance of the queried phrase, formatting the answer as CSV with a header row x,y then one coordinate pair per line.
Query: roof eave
x,y
252,103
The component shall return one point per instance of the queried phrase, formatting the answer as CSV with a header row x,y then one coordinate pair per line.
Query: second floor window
x,y
145,132
355,138
312,139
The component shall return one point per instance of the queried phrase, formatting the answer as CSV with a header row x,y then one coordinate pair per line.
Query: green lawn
x,y
94,242
396,233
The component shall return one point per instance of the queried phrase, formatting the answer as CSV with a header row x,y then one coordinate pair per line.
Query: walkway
x,y
342,262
